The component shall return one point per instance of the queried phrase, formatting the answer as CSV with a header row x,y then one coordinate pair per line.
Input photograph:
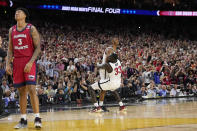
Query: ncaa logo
x,y
31,77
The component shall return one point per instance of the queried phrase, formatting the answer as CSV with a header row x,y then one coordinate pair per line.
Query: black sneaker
x,y
96,109
37,122
22,124
104,109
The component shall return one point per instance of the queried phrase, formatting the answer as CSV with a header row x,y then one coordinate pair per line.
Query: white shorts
x,y
106,85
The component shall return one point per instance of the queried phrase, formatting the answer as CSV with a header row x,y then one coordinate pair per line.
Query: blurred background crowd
x,y
159,56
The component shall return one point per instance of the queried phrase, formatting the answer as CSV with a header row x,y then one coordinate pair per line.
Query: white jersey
x,y
103,74
115,75
109,81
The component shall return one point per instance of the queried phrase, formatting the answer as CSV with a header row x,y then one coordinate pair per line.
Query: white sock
x,y
37,114
96,104
100,103
120,103
24,116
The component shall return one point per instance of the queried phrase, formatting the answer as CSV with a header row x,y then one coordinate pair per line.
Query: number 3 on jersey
x,y
20,42
118,70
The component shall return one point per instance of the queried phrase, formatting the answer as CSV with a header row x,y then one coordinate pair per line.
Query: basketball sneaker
x,y
97,109
122,108
104,109
37,122
22,124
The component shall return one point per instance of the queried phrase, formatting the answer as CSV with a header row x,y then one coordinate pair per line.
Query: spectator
x,y
194,90
147,76
151,91
2,72
9,101
42,97
50,94
4,86
174,91
68,90
157,77
142,92
163,92
189,90
13,94
71,67
60,97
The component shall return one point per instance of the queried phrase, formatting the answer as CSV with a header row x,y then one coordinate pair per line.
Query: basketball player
x,y
23,49
104,75
112,67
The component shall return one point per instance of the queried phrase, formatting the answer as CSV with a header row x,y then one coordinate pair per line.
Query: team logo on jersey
x,y
31,77
20,35
20,47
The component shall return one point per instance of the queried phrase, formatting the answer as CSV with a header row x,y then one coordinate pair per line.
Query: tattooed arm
x,y
9,54
36,42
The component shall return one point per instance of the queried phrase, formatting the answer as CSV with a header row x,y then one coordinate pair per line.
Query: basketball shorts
x,y
20,78
106,85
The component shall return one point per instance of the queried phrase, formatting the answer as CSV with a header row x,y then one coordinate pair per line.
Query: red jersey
x,y
22,42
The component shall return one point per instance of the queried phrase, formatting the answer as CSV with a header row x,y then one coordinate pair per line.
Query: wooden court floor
x,y
148,117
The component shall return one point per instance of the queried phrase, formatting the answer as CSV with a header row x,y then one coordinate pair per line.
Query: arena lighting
x,y
178,13
11,3
50,7
118,10
3,3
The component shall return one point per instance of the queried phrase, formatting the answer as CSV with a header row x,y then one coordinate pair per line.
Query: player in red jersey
x,y
23,49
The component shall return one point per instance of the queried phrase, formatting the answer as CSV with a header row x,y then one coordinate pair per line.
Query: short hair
x,y
25,11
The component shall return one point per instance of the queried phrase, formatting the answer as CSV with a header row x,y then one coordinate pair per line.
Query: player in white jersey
x,y
113,81
110,73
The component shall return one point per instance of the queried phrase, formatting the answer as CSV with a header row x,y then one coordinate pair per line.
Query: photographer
x,y
80,88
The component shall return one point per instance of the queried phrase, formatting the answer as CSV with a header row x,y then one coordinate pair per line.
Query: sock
x,y
96,104
24,116
120,103
100,103
37,115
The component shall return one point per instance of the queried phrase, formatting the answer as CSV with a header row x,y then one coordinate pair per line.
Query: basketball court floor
x,y
150,115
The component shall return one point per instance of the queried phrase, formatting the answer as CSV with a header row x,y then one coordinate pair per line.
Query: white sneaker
x,y
22,124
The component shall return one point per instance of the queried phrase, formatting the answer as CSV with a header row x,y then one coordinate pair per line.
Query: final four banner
x,y
117,10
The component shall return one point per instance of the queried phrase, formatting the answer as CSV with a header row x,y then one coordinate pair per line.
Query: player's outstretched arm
x,y
115,43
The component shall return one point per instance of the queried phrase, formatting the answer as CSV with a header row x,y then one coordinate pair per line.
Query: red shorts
x,y
20,78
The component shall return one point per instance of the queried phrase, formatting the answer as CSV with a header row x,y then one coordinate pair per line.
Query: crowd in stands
x,y
152,65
